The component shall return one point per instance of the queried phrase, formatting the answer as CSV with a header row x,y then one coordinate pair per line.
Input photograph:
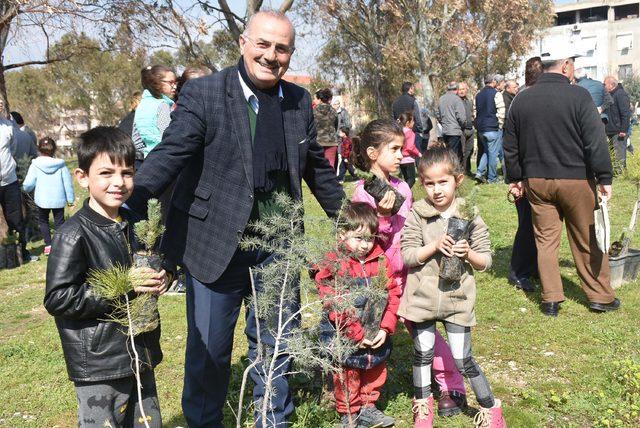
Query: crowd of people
x,y
216,149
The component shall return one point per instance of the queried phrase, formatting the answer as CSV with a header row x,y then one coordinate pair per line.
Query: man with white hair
x,y
619,113
237,138
556,151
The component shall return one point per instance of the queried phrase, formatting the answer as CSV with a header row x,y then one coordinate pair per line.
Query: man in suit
x,y
236,138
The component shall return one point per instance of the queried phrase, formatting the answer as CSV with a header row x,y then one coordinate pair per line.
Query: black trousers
x,y
467,150
524,256
43,222
11,202
409,173
454,142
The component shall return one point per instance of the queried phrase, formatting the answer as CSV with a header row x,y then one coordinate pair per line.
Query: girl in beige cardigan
x,y
427,298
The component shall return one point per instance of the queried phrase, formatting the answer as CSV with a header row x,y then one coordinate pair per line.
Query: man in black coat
x,y
236,138
555,150
407,102
619,115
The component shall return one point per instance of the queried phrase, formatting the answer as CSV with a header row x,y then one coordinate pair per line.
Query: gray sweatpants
x,y
114,403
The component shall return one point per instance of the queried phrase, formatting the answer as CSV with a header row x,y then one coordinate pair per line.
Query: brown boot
x,y
451,404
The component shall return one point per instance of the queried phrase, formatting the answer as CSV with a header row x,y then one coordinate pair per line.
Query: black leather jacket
x,y
94,349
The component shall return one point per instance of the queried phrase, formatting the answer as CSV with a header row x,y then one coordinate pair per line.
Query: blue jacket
x,y
146,119
486,111
598,94
52,181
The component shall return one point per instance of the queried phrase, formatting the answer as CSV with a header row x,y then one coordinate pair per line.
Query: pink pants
x,y
443,368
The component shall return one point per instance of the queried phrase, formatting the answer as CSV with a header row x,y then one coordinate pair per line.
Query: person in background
x,y
344,120
452,116
326,125
25,139
489,129
409,150
346,146
126,123
598,92
53,186
510,91
467,131
619,114
408,102
188,74
152,116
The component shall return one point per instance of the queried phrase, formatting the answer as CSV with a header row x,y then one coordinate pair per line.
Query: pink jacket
x,y
409,149
389,228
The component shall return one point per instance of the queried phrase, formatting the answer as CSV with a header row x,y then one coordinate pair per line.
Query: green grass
x,y
548,372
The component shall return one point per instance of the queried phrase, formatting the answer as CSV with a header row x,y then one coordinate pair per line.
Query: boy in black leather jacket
x,y
97,352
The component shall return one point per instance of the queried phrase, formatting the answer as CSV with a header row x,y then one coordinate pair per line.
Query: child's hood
x,y
48,165
425,209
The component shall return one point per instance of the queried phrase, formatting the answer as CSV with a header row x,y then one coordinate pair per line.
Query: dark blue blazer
x,y
208,149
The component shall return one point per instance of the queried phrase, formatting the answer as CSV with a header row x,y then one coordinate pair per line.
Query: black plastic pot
x,y
377,188
452,268
150,320
624,268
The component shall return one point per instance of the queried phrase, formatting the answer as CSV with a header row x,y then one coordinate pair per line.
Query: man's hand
x,y
606,191
379,340
385,206
516,189
622,134
445,245
147,280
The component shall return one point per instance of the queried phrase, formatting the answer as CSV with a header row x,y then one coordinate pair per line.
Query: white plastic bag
x,y
602,226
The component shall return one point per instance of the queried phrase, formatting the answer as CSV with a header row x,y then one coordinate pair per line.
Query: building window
x,y
588,45
594,14
565,18
625,71
624,43
627,11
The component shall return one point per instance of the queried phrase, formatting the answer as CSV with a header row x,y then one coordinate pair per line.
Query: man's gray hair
x,y
273,14
489,78
452,86
612,79
499,78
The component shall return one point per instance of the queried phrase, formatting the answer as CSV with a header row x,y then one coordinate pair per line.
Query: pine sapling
x,y
116,285
458,227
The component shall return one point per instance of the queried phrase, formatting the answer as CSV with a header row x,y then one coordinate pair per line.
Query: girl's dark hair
x,y
440,155
105,139
47,146
405,118
151,78
324,95
345,129
356,215
532,70
377,134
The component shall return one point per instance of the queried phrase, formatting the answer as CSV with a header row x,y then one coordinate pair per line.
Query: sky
x,y
31,45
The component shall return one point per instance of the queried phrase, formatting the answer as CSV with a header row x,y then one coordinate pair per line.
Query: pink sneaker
x,y
490,418
47,250
423,412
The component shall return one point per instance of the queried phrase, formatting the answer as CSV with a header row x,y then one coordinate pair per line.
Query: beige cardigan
x,y
427,297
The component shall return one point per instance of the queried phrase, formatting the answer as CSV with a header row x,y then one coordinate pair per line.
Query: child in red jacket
x,y
361,259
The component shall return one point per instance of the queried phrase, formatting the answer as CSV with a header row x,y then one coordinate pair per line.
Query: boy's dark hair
x,y
105,139
532,70
406,86
376,134
47,146
356,215
151,78
324,95
440,154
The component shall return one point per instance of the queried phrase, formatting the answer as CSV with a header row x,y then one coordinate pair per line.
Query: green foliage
x,y
148,231
468,206
632,172
632,86
625,410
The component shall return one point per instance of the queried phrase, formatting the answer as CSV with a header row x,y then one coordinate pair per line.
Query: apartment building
x,y
606,32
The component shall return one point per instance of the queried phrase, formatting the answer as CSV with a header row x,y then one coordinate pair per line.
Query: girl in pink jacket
x,y
379,151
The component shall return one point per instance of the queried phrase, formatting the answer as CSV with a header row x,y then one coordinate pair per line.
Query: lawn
x,y
581,369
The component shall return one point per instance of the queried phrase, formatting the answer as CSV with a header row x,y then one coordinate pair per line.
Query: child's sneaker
x,y
490,418
371,416
355,421
47,250
423,412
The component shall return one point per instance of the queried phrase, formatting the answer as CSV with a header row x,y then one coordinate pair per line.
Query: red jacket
x,y
345,148
356,269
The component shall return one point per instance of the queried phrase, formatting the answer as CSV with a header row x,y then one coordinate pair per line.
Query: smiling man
x,y
236,138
